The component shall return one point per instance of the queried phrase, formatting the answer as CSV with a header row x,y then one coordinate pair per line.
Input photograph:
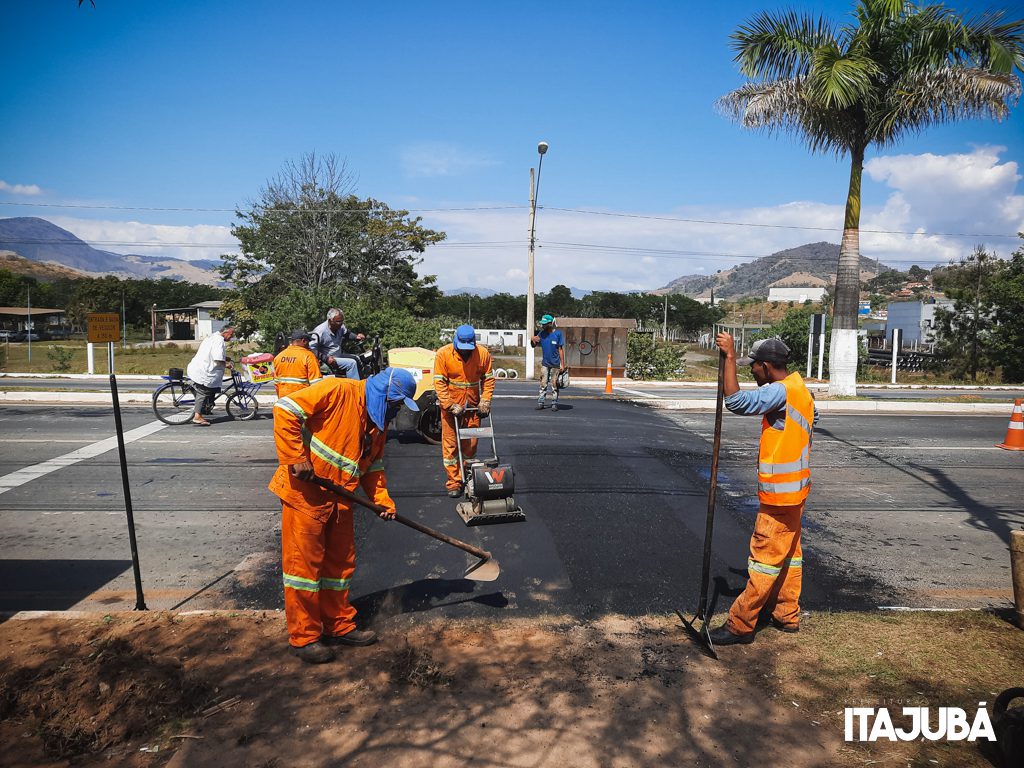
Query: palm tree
x,y
895,68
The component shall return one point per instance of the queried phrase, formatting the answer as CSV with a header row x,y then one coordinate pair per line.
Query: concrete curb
x,y
94,398
850,406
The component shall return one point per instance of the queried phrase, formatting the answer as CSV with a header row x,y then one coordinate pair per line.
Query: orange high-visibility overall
x,y
317,540
775,566
295,368
458,381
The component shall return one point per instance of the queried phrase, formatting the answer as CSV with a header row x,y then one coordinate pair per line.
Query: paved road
x,y
905,511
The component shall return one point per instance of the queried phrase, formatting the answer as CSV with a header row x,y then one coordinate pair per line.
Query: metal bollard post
x,y
1017,573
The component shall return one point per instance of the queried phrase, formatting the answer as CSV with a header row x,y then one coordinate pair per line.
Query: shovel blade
x,y
486,569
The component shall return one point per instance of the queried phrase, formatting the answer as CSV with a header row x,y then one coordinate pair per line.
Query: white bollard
x,y
90,360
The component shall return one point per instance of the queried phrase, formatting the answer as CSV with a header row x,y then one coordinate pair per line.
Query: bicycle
x,y
174,402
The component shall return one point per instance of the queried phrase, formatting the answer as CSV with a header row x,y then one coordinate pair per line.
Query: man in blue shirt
x,y
552,344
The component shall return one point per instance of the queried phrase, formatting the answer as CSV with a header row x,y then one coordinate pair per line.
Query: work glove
x,y
456,409
485,407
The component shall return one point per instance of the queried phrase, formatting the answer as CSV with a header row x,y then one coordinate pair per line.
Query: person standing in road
x,y
552,345
775,566
463,379
344,423
206,370
328,344
295,367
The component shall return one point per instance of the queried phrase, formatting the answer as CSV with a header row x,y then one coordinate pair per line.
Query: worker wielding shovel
x,y
702,633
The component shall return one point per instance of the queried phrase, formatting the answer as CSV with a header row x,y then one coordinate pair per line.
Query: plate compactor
x,y
487,483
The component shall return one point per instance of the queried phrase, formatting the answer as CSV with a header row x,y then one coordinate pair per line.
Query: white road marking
x,y
22,476
883,446
638,393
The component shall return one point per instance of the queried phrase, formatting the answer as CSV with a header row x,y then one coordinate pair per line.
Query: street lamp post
x,y
542,147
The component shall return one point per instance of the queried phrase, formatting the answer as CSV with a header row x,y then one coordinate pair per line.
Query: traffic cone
x,y
608,377
1015,432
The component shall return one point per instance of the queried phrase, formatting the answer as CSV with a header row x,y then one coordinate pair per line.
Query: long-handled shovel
x,y
703,635
487,569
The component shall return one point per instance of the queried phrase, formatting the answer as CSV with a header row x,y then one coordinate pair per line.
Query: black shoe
x,y
355,637
314,653
722,636
554,407
790,629
454,493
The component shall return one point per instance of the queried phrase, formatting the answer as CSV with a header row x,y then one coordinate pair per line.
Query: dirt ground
x,y
143,690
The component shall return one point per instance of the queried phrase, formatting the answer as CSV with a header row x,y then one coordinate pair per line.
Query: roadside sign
x,y
104,327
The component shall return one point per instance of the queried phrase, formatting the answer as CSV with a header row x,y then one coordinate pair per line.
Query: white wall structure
x,y
916,319
800,293
206,324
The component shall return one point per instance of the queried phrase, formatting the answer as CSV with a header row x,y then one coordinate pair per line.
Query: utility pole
x,y
30,328
664,322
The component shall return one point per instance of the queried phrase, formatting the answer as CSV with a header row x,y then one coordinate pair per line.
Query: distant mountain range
x,y
483,293
40,241
813,264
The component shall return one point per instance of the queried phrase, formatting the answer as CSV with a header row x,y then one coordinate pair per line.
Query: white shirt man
x,y
206,370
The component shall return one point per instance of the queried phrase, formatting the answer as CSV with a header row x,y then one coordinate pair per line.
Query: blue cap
x,y
403,387
465,337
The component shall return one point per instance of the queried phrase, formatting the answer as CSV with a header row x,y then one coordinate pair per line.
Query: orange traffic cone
x,y
1015,432
608,377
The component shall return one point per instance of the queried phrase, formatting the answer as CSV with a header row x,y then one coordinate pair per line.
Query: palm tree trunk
x,y
842,358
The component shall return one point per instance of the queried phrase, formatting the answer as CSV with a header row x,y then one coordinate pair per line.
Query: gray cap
x,y
766,351
299,333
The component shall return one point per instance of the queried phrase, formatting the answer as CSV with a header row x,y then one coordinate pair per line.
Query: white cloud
x,y
973,193
20,189
201,241
428,159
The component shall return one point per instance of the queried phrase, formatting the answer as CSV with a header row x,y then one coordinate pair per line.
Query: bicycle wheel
x,y
242,406
174,403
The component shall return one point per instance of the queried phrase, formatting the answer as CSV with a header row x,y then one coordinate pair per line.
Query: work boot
x,y
454,493
540,407
554,406
722,636
314,653
790,629
357,637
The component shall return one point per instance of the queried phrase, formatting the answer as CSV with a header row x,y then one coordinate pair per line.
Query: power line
x,y
585,211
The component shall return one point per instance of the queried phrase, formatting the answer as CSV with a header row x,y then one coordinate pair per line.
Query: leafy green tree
x,y
897,68
795,330
963,334
1007,339
308,234
648,360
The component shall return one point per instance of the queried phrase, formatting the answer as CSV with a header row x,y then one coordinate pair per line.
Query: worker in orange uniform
x,y
775,566
295,366
345,421
462,379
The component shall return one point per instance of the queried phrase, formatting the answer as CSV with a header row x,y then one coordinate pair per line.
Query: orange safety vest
x,y
295,368
784,462
344,446
460,382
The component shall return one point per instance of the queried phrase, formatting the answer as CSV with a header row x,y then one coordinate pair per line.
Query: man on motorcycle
x,y
328,340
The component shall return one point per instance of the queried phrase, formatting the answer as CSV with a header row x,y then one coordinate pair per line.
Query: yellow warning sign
x,y
104,327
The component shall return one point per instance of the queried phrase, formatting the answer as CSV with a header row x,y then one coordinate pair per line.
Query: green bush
x,y
646,360
61,358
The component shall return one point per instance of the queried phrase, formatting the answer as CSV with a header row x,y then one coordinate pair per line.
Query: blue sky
x,y
440,106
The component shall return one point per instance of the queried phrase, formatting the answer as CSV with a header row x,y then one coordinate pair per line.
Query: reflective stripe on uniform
x,y
332,457
804,462
440,377
339,585
767,570
792,487
796,416
451,462
290,380
489,375
287,404
463,384
377,466
297,582
795,562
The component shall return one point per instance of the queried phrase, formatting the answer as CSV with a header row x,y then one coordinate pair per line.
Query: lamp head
x,y
542,147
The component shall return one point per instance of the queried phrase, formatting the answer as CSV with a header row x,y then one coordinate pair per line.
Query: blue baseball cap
x,y
465,337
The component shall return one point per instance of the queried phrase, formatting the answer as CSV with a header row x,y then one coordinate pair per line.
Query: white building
x,y
797,293
915,318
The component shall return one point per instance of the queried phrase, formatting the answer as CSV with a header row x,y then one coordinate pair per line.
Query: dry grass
x,y
894,660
